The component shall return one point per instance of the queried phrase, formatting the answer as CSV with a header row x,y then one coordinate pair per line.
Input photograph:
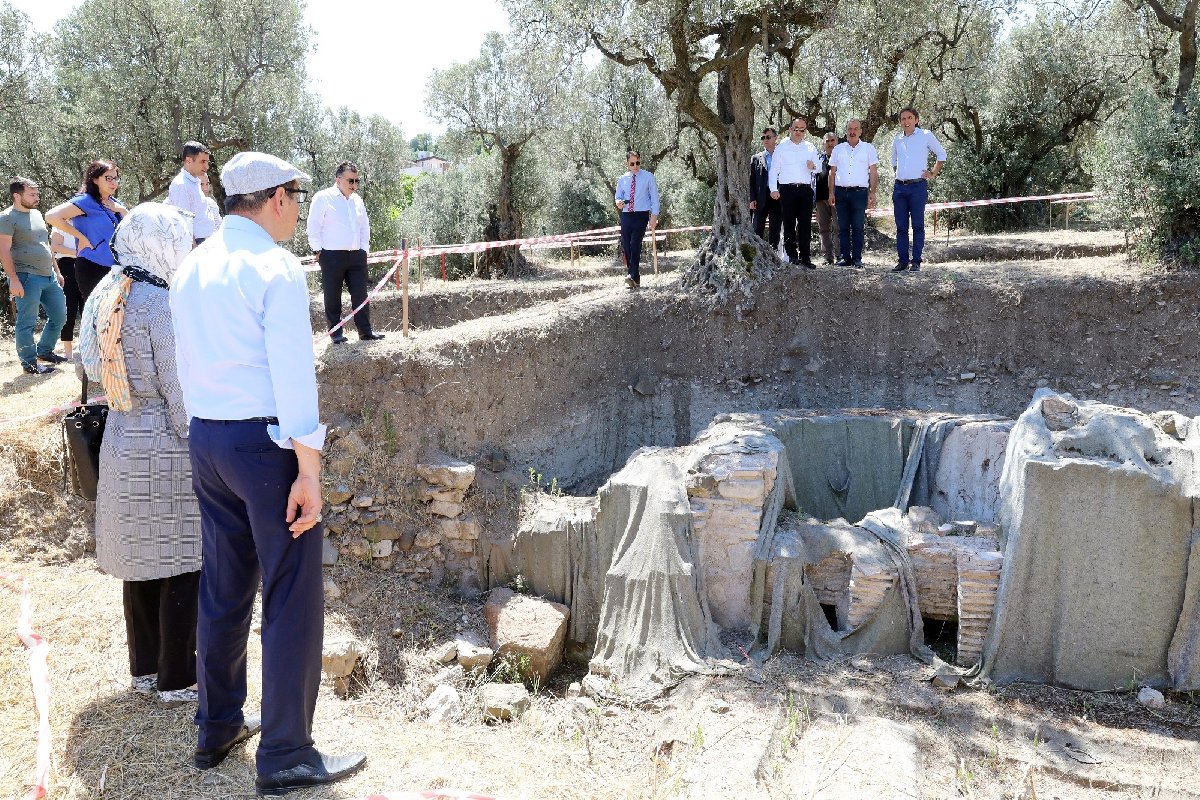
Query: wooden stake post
x,y
404,298
420,272
654,249
572,252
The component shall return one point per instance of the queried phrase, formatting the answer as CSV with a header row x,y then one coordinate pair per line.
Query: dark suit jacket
x,y
759,191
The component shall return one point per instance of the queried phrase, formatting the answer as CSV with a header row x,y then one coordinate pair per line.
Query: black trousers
x,y
797,203
633,228
242,480
87,275
66,266
339,268
160,625
768,210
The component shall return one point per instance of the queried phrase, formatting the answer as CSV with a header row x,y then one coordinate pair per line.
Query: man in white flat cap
x,y
244,351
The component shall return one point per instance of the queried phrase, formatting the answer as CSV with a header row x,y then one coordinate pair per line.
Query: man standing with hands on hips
x,y
244,353
794,166
853,178
761,203
340,234
910,158
637,200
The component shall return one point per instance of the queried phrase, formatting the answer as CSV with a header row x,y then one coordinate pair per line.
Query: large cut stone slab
x,y
527,631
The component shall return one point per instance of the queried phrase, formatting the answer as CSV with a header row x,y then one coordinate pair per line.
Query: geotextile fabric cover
x,y
1101,581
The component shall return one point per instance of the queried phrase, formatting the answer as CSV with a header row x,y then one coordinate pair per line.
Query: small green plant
x,y
389,434
518,584
698,737
516,669
795,720
964,779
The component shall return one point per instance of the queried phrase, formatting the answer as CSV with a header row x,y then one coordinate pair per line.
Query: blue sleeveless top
x,y
97,223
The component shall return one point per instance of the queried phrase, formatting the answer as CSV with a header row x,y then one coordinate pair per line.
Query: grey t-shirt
x,y
30,240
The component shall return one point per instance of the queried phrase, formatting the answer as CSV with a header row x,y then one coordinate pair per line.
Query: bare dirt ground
x,y
864,728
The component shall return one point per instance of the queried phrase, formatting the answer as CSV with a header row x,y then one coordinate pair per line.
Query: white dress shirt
x,y
243,336
853,164
337,222
910,154
206,224
789,164
185,194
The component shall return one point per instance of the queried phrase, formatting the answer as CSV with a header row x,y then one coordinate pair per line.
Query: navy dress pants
x,y
633,228
908,200
242,479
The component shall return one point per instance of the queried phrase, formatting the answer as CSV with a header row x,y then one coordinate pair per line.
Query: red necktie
x,y
632,190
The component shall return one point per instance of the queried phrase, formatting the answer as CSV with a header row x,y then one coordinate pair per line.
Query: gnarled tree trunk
x,y
504,260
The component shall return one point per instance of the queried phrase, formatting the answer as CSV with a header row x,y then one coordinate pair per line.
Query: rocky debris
x,y
338,495
444,653
1172,423
923,519
575,689
527,631
363,501
443,508
329,553
1151,698
719,707
382,549
493,459
443,704
441,470
584,705
339,657
946,678
644,384
1059,414
504,701
1163,376
332,592
473,657
381,531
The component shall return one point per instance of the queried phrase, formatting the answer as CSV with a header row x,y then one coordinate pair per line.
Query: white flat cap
x,y
252,172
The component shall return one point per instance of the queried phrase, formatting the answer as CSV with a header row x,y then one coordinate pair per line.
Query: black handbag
x,y
83,430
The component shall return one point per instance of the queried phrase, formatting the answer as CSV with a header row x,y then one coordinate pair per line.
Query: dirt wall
x,y
572,388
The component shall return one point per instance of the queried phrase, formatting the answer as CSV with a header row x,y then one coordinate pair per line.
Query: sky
x,y
373,56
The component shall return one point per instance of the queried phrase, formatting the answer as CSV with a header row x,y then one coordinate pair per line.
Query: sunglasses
x,y
355,181
765,138
635,163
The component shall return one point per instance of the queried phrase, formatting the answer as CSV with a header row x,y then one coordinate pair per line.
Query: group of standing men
x,y
791,179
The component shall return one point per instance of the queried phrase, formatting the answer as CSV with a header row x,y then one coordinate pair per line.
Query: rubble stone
x,y
441,508
338,495
329,553
448,472
443,704
504,701
339,657
529,628
382,549
473,657
381,531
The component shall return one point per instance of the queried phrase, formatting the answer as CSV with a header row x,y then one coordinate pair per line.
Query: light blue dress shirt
x,y
910,154
647,191
243,336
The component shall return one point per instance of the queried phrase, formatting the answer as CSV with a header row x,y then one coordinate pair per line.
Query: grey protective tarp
x,y
844,465
1100,583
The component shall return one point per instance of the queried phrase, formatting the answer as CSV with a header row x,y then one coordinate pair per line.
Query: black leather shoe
x,y
302,776
916,267
207,759
371,337
52,358
338,338
858,265
35,368
900,267
808,264
844,262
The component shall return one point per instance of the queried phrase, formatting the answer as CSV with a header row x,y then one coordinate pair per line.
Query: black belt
x,y
266,420
795,184
854,188
914,180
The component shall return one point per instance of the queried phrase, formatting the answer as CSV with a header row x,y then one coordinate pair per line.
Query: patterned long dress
x,y
147,517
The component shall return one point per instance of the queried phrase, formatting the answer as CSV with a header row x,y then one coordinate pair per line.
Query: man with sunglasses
x,y
244,355
761,203
794,167
340,234
637,200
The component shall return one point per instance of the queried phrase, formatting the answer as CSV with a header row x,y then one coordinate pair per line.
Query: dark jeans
x,y
768,210
345,267
66,266
633,228
909,200
88,274
242,480
852,221
160,625
41,291
797,204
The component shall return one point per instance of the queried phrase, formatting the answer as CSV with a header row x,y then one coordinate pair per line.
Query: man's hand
x,y
653,221
305,498
620,205
15,288
871,199
811,165
58,275
754,205
832,200
774,195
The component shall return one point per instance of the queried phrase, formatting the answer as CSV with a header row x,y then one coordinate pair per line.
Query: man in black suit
x,y
761,202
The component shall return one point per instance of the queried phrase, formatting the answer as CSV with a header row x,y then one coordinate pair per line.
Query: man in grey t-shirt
x,y
33,277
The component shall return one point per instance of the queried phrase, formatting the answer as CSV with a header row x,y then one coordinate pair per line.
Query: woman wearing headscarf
x,y
91,217
147,518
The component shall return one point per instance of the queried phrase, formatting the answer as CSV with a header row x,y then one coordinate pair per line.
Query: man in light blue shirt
x,y
910,158
637,200
244,351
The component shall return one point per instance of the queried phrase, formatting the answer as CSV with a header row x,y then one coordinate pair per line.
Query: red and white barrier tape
x,y
39,678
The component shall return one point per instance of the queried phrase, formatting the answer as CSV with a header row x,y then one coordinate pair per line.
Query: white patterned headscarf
x,y
155,237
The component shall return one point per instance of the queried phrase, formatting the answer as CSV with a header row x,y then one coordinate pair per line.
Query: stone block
x,y
339,494
463,546
359,548
527,630
339,657
362,501
466,527
426,539
381,531
443,704
382,549
473,657
504,701
440,508
447,472
329,553
749,491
